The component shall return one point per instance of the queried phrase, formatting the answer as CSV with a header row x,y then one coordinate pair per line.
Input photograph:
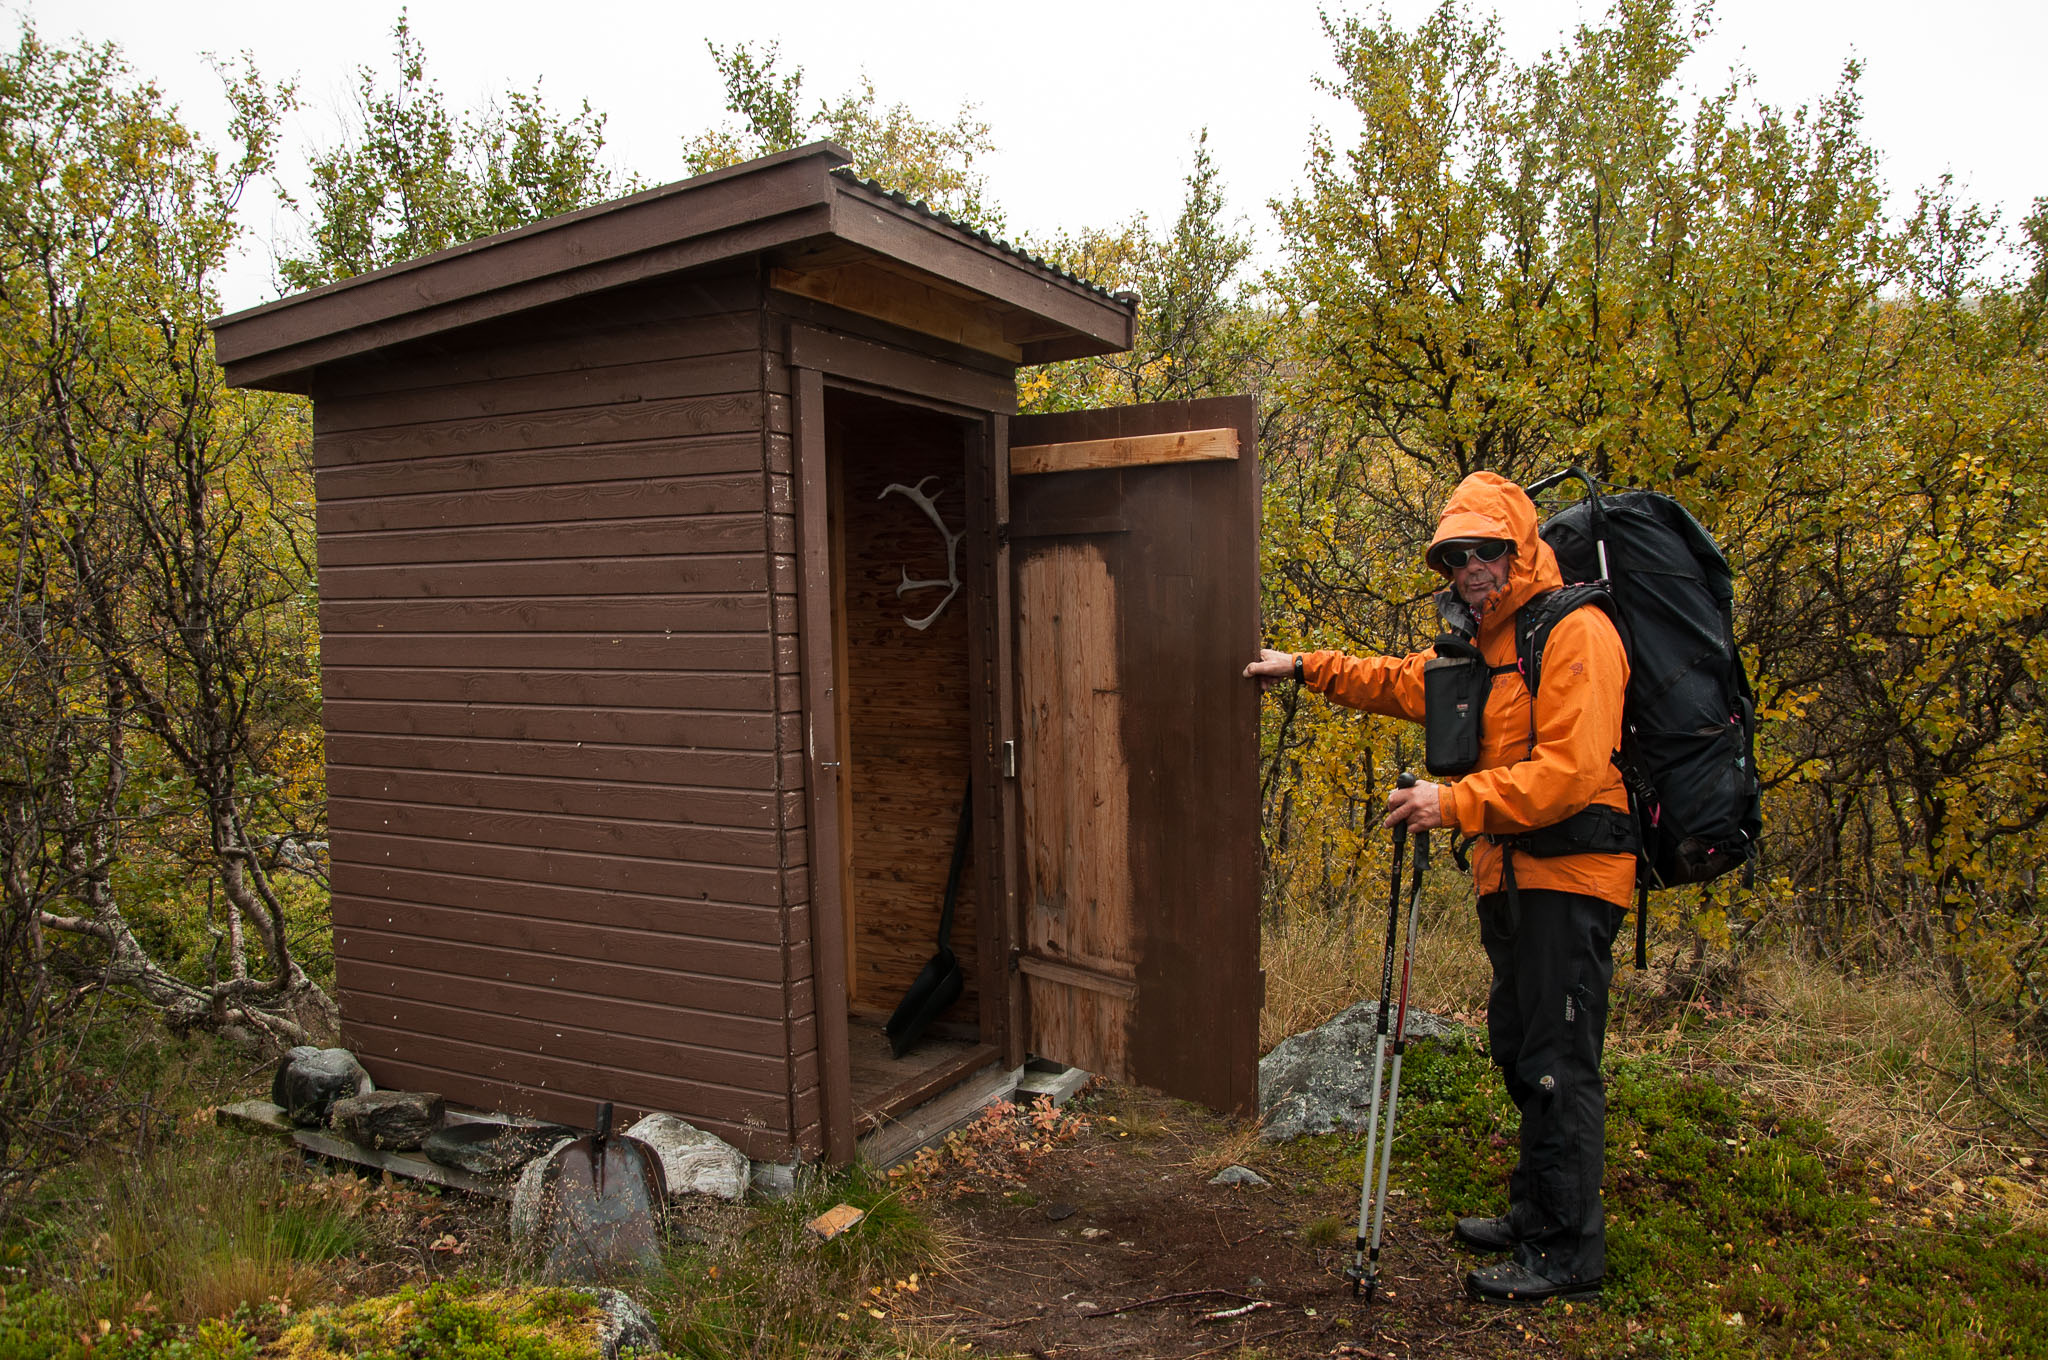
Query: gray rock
x,y
394,1121
625,1327
309,1080
253,1116
490,1149
773,1180
1320,1080
526,1195
692,1161
1238,1175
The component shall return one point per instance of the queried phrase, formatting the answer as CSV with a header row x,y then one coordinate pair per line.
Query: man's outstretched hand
x,y
1271,668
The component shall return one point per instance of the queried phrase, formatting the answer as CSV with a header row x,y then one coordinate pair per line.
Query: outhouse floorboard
x,y
883,1087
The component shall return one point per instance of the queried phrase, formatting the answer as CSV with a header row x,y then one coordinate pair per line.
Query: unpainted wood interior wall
x,y
906,701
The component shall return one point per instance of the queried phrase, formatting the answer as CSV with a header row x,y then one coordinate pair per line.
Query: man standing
x,y
1549,907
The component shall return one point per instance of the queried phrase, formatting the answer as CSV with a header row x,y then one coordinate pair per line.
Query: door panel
x,y
1135,593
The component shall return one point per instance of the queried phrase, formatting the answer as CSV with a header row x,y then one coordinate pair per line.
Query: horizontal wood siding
x,y
558,659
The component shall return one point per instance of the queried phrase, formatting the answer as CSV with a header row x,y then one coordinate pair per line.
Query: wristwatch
x,y
1299,677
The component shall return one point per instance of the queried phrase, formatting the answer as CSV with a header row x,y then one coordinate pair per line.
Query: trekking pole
x,y
1379,1151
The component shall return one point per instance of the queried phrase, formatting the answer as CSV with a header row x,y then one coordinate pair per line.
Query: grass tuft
x,y
770,1289
194,1228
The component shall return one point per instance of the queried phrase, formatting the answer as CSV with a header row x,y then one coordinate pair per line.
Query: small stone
x,y
309,1080
1060,1210
694,1162
1254,1283
773,1180
393,1121
1238,1175
625,1327
1094,1234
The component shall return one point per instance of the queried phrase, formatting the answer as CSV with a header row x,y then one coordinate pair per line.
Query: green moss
x,y
1732,1228
451,1320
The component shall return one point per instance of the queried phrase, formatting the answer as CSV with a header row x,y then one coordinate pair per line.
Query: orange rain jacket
x,y
1519,785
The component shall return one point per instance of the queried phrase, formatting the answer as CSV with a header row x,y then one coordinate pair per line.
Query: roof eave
x,y
747,209
678,226
1088,320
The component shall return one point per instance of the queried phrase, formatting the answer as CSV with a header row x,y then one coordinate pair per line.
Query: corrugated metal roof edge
x,y
924,209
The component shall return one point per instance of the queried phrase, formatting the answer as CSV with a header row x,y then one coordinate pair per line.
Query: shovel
x,y
601,1198
939,982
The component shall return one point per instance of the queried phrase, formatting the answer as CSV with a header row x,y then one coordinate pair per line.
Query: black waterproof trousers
x,y
1546,1022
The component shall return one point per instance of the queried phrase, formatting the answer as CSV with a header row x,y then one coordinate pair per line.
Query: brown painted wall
x,y
559,660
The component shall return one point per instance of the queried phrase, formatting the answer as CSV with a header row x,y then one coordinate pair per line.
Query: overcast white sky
x,y
1094,106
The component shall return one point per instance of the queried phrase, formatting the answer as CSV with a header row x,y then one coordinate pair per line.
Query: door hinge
x,y
1009,760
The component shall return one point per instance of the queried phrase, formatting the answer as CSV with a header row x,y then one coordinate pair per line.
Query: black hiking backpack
x,y
1688,751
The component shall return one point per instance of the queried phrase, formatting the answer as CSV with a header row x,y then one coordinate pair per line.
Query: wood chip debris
x,y
835,1221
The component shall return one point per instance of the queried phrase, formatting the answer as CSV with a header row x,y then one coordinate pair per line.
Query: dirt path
x,y
1111,1241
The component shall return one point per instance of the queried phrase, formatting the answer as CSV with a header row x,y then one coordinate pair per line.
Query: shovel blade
x,y
938,986
603,1200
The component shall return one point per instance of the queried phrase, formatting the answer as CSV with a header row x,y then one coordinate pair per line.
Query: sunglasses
x,y
1491,550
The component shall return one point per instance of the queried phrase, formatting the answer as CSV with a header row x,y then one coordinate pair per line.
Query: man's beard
x,y
1485,603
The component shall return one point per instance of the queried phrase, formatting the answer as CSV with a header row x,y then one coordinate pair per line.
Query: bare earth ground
x,y
1025,1276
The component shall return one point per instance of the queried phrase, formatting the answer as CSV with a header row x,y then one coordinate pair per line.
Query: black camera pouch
x,y
1454,686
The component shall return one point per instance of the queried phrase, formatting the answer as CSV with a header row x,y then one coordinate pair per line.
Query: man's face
x,y
1478,582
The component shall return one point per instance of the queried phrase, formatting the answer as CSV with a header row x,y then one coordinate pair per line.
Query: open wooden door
x,y
1133,536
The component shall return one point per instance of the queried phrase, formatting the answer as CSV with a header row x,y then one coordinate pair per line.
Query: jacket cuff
x,y
1450,807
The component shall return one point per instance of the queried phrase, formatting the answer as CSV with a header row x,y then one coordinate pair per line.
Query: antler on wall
x,y
952,582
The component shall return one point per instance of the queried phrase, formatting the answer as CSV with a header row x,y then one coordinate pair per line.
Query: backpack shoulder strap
x,y
1535,619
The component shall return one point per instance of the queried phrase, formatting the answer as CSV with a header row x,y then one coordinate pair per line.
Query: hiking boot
x,y
1508,1282
1484,1234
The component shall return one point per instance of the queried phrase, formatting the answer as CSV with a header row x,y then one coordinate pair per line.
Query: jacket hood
x,y
1488,505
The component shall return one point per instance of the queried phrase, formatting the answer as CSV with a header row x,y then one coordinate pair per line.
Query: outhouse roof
x,y
825,233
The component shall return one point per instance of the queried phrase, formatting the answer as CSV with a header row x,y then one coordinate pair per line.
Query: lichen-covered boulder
x,y
1320,1080
625,1328
393,1121
309,1080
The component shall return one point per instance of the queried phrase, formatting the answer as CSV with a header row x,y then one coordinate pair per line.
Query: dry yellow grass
x,y
1316,965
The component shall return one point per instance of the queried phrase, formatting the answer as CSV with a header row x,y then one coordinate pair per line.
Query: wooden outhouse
x,y
682,564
